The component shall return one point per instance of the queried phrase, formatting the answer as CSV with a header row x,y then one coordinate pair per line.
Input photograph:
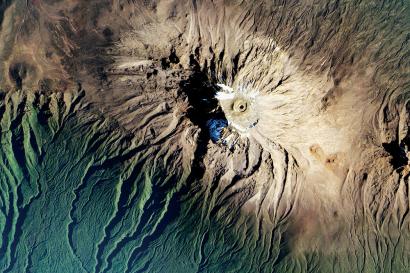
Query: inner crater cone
x,y
239,107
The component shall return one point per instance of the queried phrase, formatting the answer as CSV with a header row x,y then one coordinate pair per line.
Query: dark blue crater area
x,y
215,127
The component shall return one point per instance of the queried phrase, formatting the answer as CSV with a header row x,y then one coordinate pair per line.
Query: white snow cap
x,y
226,94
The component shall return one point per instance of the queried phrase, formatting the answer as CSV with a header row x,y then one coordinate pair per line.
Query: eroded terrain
x,y
204,136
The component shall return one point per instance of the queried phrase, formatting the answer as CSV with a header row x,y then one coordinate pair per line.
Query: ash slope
x,y
107,163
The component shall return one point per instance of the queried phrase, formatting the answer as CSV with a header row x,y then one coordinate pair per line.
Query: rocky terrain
x,y
204,136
